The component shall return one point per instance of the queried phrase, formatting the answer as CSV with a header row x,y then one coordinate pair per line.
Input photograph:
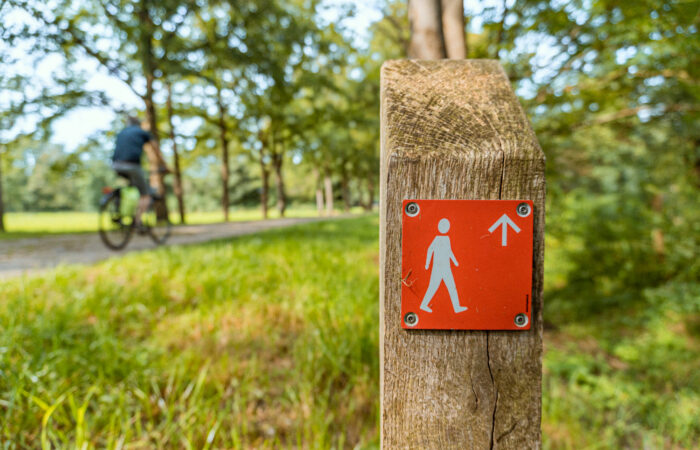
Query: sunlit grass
x,y
33,224
37,223
244,343
240,214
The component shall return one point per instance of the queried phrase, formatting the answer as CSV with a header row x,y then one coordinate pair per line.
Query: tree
x,y
453,28
263,160
38,102
225,166
252,70
437,29
427,39
251,57
177,188
613,97
281,41
2,202
129,50
144,34
212,107
218,24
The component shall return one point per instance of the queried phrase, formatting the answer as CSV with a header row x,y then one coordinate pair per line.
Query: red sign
x,y
466,264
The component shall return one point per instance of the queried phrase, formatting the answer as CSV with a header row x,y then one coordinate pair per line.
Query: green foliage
x,y
204,192
617,117
44,177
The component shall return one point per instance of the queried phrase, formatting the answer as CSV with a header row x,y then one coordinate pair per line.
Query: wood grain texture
x,y
455,130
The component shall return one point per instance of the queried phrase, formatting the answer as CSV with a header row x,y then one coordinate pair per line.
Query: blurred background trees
x,y
277,103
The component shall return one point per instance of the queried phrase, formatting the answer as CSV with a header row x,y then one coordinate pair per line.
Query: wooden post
x,y
455,130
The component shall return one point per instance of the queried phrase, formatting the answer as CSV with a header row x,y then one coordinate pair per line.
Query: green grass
x,y
271,340
227,344
35,224
619,372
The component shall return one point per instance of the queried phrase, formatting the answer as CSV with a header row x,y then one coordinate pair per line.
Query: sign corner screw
x,y
411,319
412,209
521,320
523,209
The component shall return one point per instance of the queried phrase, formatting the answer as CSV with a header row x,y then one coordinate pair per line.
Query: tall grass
x,y
262,341
271,340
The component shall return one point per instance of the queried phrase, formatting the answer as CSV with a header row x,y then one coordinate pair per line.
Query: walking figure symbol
x,y
441,254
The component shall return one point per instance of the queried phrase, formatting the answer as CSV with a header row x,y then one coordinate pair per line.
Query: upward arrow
x,y
504,221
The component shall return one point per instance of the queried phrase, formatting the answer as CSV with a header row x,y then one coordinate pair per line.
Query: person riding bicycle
x,y
126,161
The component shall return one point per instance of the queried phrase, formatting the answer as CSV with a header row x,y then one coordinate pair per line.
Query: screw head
x,y
523,210
412,209
410,319
521,320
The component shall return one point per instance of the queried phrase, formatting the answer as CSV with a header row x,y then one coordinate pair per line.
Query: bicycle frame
x,y
108,194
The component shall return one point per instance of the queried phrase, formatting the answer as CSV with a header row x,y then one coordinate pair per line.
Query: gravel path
x,y
19,256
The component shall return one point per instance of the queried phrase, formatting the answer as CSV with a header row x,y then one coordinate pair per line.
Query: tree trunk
x,y
225,168
279,182
453,29
319,191
2,202
466,38
277,160
265,175
153,153
155,157
328,184
427,41
178,190
370,193
345,188
657,234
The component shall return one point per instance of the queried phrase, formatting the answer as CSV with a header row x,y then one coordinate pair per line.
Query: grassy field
x,y
34,224
271,341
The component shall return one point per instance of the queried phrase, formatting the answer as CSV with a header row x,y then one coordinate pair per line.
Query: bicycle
x,y
117,222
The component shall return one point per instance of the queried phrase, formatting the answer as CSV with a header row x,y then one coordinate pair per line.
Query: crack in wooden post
x,y
495,400
455,130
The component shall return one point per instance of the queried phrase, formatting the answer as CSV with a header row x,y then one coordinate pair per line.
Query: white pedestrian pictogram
x,y
441,254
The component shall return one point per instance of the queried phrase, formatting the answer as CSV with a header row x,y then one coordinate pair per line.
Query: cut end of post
x,y
453,107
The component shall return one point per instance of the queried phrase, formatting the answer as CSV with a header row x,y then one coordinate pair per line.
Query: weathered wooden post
x,y
455,130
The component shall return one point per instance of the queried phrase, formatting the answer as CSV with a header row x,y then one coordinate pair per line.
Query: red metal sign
x,y
466,264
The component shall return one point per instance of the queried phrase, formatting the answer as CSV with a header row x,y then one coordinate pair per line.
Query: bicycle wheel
x,y
114,228
158,224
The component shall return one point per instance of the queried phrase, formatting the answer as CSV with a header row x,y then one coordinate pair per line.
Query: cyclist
x,y
126,161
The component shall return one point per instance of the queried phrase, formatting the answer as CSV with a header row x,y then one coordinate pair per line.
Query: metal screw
x,y
410,319
523,210
521,320
412,209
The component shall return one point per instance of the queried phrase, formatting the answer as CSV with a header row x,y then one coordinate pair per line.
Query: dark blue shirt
x,y
130,144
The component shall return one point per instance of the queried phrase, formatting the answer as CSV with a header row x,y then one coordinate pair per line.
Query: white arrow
x,y
504,221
